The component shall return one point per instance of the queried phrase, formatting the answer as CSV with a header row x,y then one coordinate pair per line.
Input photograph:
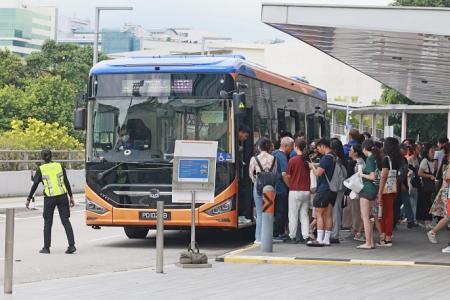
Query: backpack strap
x,y
273,164
261,169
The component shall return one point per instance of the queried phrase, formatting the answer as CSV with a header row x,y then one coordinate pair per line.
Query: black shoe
x,y
334,241
412,225
305,241
291,241
45,250
71,249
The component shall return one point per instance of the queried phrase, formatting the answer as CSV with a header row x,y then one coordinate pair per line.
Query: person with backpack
x,y
262,170
403,194
338,150
281,189
325,197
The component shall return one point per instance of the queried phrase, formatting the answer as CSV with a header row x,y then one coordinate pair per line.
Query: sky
x,y
238,19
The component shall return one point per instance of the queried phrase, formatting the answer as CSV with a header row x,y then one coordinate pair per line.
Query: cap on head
x,y
46,155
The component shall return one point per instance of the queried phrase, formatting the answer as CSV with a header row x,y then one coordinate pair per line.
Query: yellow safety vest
x,y
53,179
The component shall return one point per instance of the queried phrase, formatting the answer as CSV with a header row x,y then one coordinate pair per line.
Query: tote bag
x,y
391,181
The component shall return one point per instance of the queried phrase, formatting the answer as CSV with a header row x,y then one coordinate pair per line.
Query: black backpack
x,y
415,178
264,177
403,173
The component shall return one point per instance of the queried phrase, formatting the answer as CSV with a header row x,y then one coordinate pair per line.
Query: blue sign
x,y
193,170
223,156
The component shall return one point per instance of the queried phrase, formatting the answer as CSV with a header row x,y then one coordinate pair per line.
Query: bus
x,y
139,106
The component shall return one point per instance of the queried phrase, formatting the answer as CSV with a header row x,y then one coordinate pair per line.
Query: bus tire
x,y
133,232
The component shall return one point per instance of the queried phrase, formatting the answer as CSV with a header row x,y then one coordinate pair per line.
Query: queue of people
x,y
398,183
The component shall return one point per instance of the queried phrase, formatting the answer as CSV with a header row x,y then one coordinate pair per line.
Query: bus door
x,y
243,117
317,126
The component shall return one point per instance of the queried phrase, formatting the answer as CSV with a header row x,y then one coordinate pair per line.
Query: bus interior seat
x,y
140,135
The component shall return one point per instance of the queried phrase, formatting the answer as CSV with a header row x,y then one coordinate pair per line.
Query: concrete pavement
x,y
229,281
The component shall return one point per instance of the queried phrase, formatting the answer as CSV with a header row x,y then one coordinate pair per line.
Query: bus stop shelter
x,y
383,111
405,48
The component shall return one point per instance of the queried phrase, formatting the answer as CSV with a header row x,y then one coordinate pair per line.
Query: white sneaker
x,y
432,237
257,242
446,250
243,220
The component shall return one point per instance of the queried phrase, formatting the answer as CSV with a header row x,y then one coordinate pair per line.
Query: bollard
x,y
9,251
159,236
268,197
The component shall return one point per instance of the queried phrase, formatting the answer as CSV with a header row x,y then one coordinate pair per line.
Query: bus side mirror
x,y
239,101
80,118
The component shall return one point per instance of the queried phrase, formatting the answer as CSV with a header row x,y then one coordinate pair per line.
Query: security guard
x,y
56,187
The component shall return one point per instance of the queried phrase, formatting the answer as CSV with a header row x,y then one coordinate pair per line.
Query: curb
x,y
234,257
242,259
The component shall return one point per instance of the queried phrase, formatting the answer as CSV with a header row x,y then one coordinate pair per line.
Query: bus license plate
x,y
151,215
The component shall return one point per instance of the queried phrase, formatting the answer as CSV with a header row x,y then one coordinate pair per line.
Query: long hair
x,y
301,144
391,148
338,149
426,148
370,146
357,148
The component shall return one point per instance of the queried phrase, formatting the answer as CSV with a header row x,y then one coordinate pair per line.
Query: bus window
x,y
148,127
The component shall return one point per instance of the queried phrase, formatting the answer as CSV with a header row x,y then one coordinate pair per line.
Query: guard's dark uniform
x,y
56,187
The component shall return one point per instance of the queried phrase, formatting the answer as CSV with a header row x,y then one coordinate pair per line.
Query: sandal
x,y
362,247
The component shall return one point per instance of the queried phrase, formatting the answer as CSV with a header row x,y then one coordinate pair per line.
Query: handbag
x,y
391,182
428,185
354,183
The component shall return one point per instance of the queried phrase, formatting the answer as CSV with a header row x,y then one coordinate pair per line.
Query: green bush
x,y
36,135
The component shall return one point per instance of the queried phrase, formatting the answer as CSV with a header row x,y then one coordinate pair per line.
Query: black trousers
x,y
280,214
424,203
62,202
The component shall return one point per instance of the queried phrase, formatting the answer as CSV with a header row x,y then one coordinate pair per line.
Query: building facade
x,y
24,29
119,41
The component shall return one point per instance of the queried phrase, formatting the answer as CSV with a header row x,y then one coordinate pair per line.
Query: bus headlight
x,y
223,207
95,208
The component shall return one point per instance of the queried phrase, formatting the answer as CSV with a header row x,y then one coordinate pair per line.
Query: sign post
x,y
194,174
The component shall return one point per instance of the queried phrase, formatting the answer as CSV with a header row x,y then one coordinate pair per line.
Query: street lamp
x,y
90,104
97,25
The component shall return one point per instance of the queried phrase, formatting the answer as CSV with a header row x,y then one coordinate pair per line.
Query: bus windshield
x,y
137,129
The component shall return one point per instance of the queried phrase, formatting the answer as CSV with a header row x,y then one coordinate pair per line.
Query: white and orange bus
x,y
138,107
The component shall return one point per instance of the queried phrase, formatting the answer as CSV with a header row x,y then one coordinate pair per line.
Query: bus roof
x,y
202,64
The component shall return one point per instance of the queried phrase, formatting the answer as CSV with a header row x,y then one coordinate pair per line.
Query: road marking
x,y
105,238
40,216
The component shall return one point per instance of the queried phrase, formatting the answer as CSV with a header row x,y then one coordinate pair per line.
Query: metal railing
x,y
18,160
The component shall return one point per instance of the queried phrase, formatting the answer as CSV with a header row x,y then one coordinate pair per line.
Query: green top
x,y
369,185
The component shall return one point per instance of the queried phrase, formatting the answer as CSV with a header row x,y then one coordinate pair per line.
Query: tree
x,y
12,69
428,126
11,105
70,62
433,3
50,99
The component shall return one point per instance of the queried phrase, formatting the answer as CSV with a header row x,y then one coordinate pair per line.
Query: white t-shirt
x,y
424,166
439,155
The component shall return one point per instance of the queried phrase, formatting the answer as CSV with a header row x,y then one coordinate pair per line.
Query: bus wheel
x,y
136,232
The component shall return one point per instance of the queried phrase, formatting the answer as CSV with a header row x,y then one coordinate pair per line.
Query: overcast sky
x,y
238,19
